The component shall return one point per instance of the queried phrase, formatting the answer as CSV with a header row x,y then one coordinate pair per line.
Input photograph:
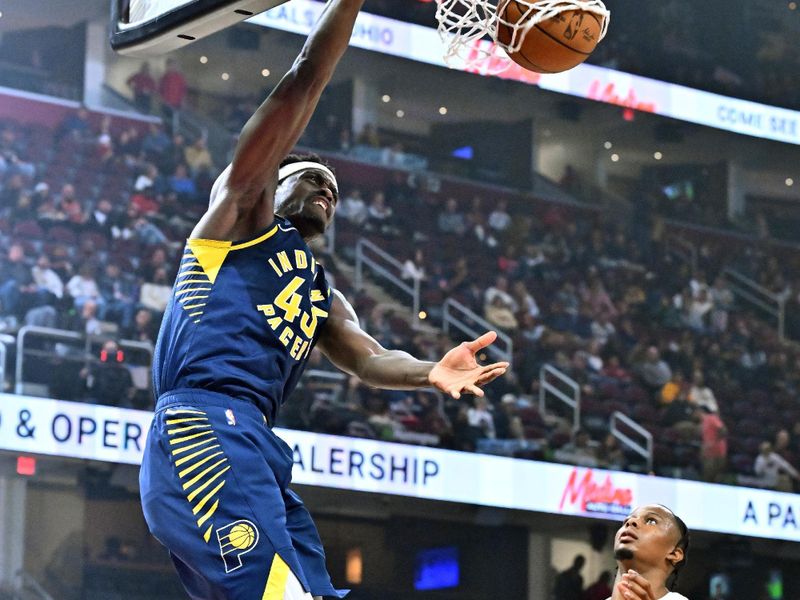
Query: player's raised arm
x,y
274,129
351,349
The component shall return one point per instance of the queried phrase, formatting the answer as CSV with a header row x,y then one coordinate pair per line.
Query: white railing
x,y
757,295
683,249
459,317
60,335
5,341
29,584
646,450
383,264
571,398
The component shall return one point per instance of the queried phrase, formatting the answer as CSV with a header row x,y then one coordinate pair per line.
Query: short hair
x,y
683,544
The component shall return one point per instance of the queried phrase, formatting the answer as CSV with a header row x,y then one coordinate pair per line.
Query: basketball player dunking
x,y
235,339
650,548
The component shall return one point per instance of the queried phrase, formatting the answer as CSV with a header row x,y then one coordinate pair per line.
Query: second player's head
x,y
653,539
307,194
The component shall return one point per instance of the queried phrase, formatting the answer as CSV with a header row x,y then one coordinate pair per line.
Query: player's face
x,y
310,203
648,536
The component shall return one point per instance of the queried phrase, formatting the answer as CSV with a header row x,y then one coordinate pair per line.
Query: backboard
x,y
151,27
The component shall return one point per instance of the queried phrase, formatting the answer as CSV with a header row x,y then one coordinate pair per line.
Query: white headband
x,y
299,167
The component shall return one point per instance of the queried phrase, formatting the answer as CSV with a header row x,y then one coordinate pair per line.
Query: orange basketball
x,y
552,46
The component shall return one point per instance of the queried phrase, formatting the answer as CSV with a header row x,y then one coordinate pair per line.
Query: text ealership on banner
x,y
378,466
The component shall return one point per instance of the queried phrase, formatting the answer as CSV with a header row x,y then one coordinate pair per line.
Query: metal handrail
x,y
683,249
574,401
9,340
27,580
757,295
503,351
363,260
645,451
65,335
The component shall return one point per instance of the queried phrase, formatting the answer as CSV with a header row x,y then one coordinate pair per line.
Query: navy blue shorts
x,y
214,486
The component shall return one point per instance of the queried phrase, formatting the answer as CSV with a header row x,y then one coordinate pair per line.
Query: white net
x,y
469,28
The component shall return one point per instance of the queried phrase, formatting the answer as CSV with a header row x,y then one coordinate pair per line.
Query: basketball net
x,y
465,24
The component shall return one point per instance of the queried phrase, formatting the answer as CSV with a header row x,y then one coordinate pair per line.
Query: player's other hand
x,y
459,372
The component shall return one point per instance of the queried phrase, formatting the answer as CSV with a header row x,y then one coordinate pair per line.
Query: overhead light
x,y
658,156
789,182
792,6
225,77
204,59
442,110
265,72
386,98
615,158
423,315
608,145
400,114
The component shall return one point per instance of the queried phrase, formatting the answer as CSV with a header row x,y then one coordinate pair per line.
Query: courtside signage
x,y
422,44
104,433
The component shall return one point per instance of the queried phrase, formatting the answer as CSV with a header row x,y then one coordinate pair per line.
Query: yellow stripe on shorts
x,y
278,576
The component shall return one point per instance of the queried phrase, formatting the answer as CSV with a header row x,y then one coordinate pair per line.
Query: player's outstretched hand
x,y
633,587
459,372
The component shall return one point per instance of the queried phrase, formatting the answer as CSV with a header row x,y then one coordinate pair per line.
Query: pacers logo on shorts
x,y
236,539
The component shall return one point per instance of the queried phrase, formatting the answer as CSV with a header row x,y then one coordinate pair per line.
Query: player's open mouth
x,y
627,537
322,203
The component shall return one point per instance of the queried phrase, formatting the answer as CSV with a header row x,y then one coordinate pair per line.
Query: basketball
x,y
554,45
241,536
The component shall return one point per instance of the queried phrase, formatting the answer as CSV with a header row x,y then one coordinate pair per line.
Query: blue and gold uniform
x,y
235,339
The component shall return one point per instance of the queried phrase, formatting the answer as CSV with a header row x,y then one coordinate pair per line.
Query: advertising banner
x,y
422,44
104,433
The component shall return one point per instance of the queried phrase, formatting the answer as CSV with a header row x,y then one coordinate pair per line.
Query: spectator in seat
x,y
144,328
702,395
353,208
379,213
675,386
610,455
107,379
197,157
451,220
414,267
602,329
654,372
48,283
525,301
499,219
70,206
15,282
774,471
715,445
75,125
155,294
182,184
579,451
83,287
783,445
101,218
508,425
144,87
120,295
480,417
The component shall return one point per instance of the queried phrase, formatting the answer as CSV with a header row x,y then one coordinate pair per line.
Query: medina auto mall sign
x,y
591,492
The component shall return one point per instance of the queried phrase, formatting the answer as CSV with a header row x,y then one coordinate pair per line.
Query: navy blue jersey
x,y
243,318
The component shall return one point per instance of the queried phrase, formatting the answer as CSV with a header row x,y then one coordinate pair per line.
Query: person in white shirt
x,y
479,416
46,279
774,470
650,549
